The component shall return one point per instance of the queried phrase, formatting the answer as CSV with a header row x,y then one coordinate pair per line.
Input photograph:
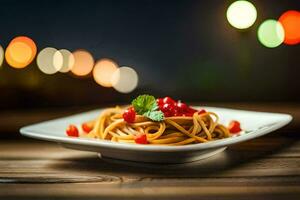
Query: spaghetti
x,y
179,130
153,121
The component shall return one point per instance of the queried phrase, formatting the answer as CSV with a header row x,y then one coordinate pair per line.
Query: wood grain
x,y
267,167
263,168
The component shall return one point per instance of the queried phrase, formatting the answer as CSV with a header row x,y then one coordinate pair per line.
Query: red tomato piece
x,y
86,127
129,115
234,127
169,100
159,101
168,109
189,114
160,106
141,139
176,114
168,114
182,107
72,131
202,112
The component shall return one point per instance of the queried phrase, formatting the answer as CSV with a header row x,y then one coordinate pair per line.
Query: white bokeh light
x,y
68,60
124,79
1,55
241,14
49,60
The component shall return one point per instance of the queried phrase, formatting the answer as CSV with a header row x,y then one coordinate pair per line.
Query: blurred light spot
x,y
49,60
1,55
103,72
83,63
290,21
125,79
20,52
241,14
68,60
270,33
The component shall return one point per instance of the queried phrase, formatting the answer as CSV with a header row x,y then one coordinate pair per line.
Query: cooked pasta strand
x,y
179,130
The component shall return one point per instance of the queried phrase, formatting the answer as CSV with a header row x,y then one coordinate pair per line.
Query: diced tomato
x,y
169,100
129,115
171,108
141,139
87,127
168,114
202,112
181,107
160,101
168,109
72,131
234,127
189,114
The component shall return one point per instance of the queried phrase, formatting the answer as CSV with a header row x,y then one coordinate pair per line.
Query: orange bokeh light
x,y
290,21
20,52
103,72
83,63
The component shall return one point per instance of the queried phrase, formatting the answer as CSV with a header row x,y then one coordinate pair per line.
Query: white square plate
x,y
254,124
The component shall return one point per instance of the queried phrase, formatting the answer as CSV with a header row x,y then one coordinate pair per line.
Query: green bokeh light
x,y
270,33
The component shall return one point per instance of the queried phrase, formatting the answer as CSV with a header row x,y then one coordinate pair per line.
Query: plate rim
x,y
28,132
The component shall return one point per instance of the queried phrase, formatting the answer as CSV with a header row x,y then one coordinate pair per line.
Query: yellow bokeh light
x,y
1,55
103,72
83,63
49,60
68,60
20,52
124,79
241,14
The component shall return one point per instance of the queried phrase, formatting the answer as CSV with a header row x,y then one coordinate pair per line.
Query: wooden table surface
x,y
263,168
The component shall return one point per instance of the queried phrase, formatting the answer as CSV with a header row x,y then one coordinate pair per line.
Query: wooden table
x,y
263,168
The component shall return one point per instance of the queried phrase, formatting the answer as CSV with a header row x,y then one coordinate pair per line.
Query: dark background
x,y
185,49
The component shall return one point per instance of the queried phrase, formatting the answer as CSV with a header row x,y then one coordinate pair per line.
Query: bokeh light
x,y
49,60
103,72
270,33
125,79
241,14
290,21
83,63
20,52
68,60
1,55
